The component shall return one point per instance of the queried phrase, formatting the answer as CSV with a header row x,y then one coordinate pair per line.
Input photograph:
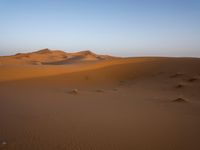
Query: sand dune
x,y
52,57
57,100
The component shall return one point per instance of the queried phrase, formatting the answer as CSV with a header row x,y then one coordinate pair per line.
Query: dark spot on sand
x,y
179,86
177,75
192,79
115,89
179,100
100,90
122,82
87,78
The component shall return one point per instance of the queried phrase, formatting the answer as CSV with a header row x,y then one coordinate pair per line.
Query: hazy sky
x,y
117,27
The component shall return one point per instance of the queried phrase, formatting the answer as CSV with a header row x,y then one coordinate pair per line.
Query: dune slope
x,y
109,104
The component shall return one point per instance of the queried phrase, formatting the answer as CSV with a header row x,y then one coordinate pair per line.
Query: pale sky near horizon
x,y
116,27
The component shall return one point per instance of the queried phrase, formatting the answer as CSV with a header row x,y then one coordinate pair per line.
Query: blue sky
x,y
117,27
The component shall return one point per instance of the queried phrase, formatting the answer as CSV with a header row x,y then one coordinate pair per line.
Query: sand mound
x,y
74,91
180,100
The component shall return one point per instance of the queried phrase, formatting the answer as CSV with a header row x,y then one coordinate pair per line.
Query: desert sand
x,y
52,100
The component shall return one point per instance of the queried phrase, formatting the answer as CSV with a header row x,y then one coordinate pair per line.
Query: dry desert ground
x,y
52,100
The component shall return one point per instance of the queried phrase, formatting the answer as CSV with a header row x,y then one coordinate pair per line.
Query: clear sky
x,y
117,27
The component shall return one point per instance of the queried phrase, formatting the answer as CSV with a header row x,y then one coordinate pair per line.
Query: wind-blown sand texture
x,y
52,100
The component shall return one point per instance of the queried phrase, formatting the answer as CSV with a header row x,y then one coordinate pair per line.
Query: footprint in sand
x,y
87,77
115,89
100,90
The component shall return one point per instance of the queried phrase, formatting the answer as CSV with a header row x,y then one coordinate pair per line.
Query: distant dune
x,y
53,100
51,57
